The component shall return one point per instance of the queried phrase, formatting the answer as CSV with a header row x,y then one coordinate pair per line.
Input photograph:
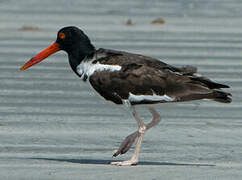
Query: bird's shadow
x,y
107,162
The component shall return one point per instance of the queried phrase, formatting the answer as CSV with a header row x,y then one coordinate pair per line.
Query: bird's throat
x,y
77,55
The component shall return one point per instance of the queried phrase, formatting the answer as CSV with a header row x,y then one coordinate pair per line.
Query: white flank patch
x,y
154,97
88,68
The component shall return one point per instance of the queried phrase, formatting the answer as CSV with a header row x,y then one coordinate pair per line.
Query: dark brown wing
x,y
112,57
145,76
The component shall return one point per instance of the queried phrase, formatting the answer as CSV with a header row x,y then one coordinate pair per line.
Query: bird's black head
x,y
70,39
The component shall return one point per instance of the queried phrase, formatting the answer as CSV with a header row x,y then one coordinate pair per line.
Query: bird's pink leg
x,y
142,128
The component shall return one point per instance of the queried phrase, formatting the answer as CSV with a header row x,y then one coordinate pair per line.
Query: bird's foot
x,y
126,144
125,163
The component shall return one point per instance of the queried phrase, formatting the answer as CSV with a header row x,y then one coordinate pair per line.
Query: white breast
x,y
87,68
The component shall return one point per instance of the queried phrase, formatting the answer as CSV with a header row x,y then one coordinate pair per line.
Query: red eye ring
x,y
62,35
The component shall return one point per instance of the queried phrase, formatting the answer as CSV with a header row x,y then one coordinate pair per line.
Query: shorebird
x,y
131,79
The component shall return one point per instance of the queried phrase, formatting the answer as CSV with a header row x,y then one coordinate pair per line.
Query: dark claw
x,y
126,144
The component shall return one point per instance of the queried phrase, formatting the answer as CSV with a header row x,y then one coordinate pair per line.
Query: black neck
x,y
79,53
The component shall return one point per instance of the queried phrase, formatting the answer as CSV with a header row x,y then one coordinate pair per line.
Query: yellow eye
x,y
61,35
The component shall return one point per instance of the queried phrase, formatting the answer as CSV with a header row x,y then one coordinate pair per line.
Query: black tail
x,y
209,83
221,96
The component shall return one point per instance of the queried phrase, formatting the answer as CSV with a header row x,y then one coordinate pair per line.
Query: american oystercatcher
x,y
131,79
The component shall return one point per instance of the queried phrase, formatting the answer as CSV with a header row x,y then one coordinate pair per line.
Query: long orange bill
x,y
41,56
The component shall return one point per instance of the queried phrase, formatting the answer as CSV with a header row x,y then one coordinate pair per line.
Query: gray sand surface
x,y
53,127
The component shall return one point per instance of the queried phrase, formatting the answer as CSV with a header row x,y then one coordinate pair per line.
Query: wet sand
x,y
53,127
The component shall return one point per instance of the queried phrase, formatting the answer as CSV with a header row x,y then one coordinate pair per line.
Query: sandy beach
x,y
53,127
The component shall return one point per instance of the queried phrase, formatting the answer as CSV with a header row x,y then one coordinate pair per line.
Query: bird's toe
x,y
125,163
